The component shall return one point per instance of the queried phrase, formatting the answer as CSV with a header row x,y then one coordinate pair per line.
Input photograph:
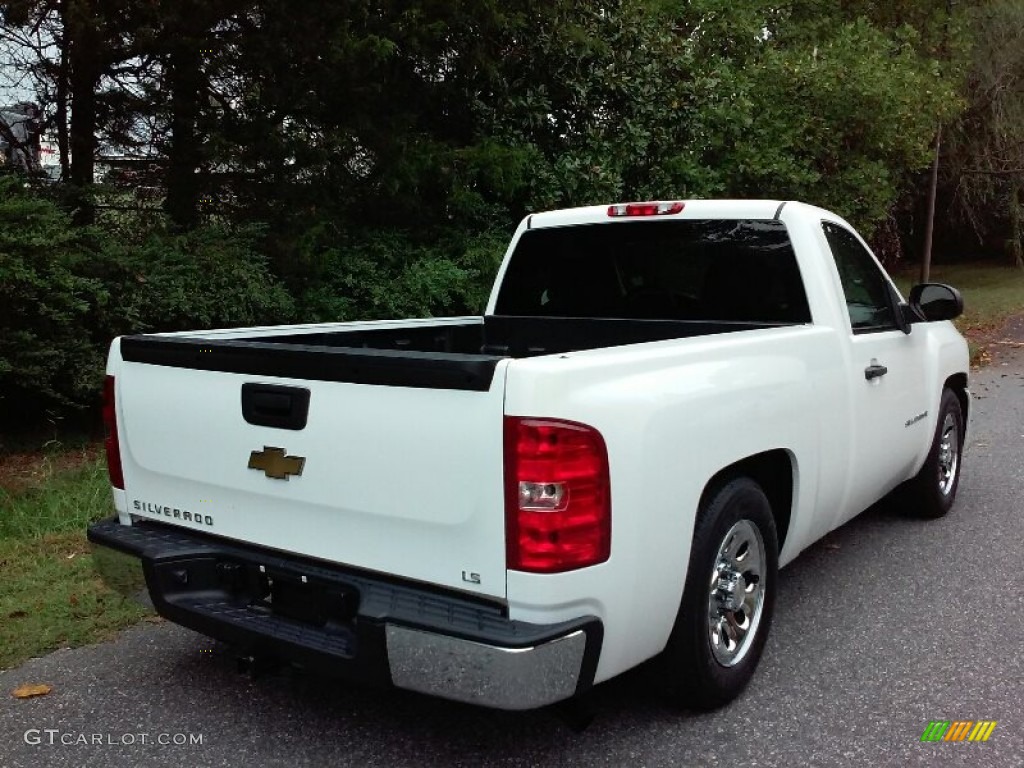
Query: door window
x,y
868,299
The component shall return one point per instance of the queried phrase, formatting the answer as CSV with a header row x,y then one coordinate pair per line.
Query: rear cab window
x,y
712,270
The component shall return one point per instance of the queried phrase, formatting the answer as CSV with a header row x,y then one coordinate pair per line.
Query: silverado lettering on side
x,y
663,403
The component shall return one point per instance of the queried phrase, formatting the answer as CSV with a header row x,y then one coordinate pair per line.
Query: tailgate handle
x,y
875,371
271,405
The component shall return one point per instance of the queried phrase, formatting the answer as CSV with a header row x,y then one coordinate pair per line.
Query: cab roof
x,y
691,209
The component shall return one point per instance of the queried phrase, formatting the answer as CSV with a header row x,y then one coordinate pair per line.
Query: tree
x,y
714,98
985,168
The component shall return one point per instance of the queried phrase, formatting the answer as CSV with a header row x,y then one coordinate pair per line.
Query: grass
x,y
51,596
54,492
991,293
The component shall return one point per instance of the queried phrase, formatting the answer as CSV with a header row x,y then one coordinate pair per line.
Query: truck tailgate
x,y
404,480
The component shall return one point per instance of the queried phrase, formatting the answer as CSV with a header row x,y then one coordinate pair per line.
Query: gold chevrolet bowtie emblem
x,y
275,464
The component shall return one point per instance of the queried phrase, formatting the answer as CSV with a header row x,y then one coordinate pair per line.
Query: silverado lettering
x,y
916,419
172,512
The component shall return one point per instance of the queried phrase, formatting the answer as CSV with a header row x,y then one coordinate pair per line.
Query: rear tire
x,y
728,600
933,490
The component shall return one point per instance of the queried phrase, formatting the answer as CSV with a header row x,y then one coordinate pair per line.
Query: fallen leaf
x,y
73,599
28,690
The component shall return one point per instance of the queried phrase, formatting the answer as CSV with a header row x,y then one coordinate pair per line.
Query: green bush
x,y
210,277
46,298
389,274
66,291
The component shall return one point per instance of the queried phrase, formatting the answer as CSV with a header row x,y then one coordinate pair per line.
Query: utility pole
x,y
929,228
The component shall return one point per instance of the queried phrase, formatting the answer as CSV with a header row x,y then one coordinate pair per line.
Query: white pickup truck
x,y
663,403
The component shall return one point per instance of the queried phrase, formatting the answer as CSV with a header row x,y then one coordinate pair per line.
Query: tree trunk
x,y
185,80
63,147
1016,235
84,66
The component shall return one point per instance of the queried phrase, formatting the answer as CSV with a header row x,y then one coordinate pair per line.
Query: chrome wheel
x,y
736,596
949,454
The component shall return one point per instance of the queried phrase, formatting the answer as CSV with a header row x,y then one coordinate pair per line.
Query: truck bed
x,y
442,356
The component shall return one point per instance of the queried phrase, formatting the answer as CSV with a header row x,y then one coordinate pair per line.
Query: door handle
x,y
874,371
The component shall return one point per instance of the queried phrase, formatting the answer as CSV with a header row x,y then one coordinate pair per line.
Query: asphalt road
x,y
887,624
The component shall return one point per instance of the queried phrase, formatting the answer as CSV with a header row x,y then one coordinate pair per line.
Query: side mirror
x,y
936,301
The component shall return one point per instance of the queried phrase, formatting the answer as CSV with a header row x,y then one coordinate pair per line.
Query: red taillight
x,y
558,513
645,209
110,423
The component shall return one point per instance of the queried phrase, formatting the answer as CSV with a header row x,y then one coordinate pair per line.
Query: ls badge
x,y
275,464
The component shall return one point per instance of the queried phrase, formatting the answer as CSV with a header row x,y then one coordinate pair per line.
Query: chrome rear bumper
x,y
349,623
488,675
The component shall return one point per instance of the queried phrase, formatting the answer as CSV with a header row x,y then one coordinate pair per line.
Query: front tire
x,y
933,490
728,599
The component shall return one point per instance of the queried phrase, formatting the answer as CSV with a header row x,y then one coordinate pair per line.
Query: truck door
x,y
889,402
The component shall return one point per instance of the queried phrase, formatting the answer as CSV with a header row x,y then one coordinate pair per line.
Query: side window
x,y
867,291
